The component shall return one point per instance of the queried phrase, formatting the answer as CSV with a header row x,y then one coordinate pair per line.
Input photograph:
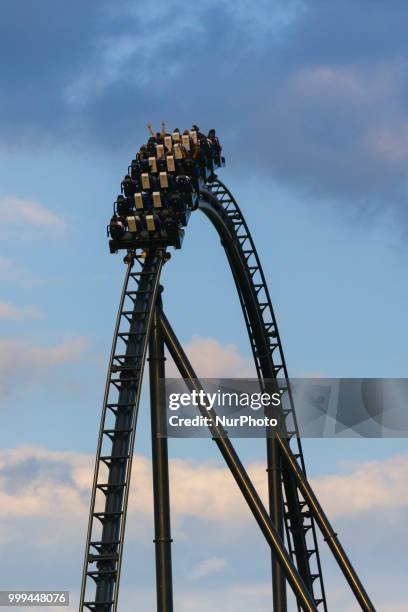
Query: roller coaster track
x,y
291,511
222,209
110,490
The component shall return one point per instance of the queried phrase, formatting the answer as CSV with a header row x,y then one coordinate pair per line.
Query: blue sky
x,y
310,102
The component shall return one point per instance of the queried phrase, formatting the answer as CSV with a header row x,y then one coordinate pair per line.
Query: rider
x,y
159,136
212,137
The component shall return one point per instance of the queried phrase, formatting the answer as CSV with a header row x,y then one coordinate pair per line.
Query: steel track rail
x,y
218,204
110,490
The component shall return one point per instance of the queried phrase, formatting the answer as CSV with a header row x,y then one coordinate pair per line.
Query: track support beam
x,y
276,512
160,464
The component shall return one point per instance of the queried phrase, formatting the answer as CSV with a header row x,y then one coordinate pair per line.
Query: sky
x,y
310,102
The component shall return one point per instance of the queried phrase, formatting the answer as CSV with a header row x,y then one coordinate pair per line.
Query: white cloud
x,y
375,485
9,311
24,212
44,502
36,484
22,361
213,565
209,488
211,359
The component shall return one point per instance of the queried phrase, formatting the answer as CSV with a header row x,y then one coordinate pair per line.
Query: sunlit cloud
x,y
22,212
212,359
213,565
24,361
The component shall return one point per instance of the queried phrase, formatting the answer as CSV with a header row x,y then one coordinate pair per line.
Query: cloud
x,y
339,132
22,212
30,476
20,360
37,484
366,487
211,359
8,311
44,503
213,565
324,113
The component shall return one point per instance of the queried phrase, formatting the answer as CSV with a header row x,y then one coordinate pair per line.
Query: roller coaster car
x,y
143,233
159,192
150,218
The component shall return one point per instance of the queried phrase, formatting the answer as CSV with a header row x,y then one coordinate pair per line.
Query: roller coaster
x,y
159,194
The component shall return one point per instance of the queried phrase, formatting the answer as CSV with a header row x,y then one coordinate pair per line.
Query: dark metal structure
x,y
294,513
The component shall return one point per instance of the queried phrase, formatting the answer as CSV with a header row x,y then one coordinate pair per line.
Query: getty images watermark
x,y
342,407
223,400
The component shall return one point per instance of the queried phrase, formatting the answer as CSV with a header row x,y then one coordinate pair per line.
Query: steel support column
x,y
161,497
276,512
